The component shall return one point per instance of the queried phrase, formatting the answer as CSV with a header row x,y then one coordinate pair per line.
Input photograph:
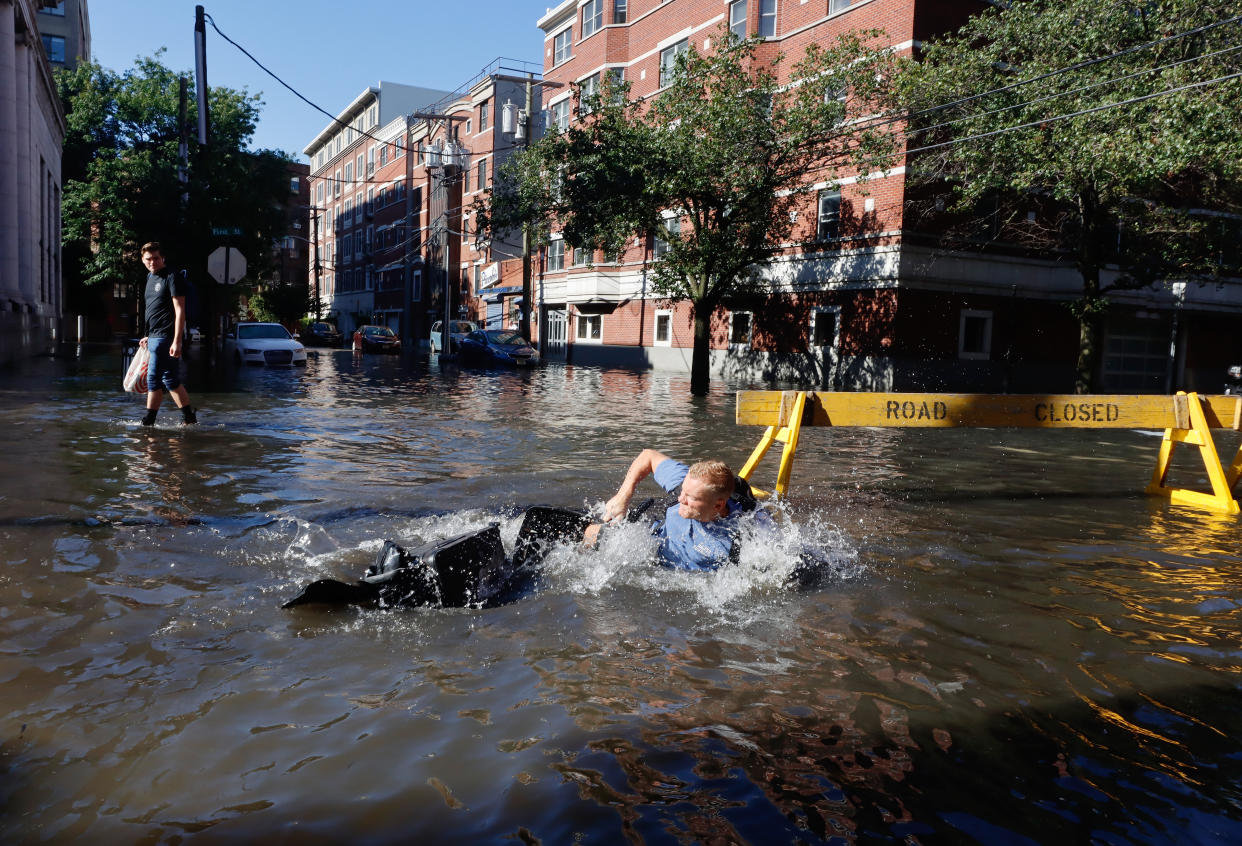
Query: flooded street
x,y
1012,644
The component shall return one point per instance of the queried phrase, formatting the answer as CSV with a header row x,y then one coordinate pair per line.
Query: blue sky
x,y
328,51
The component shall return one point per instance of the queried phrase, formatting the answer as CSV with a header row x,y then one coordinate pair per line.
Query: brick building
x,y
860,299
394,230
343,186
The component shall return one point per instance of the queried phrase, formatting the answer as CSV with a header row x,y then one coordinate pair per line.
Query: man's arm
x,y
178,326
641,467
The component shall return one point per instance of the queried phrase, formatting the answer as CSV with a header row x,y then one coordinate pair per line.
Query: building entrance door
x,y
556,323
825,342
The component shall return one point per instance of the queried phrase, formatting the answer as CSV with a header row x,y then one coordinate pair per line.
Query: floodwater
x,y
1010,643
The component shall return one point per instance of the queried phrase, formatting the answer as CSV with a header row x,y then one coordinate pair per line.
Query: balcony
x,y
592,286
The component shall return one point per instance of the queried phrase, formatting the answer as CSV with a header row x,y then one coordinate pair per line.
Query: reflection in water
x,y
1009,643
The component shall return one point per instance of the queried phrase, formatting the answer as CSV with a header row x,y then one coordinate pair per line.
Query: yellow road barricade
x,y
1186,418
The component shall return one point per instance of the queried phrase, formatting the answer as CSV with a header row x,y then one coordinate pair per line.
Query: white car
x,y
458,329
263,343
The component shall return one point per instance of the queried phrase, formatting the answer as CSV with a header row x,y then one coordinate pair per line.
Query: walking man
x,y
165,319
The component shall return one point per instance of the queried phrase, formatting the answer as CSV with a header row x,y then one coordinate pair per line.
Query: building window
x,y
383,154
348,217
561,44
838,5
828,225
465,179
668,60
974,338
482,181
592,17
54,46
590,327
767,18
556,255
663,336
483,107
588,91
619,11
58,9
370,162
737,18
559,112
349,172
825,327
671,229
295,184
739,328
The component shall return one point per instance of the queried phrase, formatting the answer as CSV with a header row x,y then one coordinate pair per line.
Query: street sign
x,y
226,231
226,265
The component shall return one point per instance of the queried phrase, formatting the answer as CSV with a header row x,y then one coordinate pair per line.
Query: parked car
x,y
458,329
263,343
323,335
376,339
194,335
1233,380
498,346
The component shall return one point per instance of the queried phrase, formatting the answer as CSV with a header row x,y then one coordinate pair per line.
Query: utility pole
x,y
524,323
523,130
407,307
318,266
203,167
445,162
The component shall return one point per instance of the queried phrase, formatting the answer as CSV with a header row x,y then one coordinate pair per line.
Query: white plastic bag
x,y
136,376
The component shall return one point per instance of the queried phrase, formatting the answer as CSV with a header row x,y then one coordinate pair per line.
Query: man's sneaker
x,y
148,419
188,416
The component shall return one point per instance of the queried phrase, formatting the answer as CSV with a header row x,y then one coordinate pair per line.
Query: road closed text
x,y
1077,412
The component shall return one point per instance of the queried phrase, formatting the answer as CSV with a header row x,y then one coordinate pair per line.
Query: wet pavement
x,y
1011,644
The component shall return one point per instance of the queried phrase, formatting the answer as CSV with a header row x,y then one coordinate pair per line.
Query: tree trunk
x,y
1089,351
1092,305
700,362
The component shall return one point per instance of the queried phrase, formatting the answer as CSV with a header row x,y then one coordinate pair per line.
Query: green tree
x,y
1096,134
728,147
121,167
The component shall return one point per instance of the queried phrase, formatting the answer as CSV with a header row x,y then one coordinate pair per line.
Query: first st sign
x,y
226,265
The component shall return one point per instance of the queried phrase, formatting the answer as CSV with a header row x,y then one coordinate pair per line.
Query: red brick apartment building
x,y
860,300
392,228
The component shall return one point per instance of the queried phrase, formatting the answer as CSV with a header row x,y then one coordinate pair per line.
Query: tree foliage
x,y
728,147
121,167
1095,133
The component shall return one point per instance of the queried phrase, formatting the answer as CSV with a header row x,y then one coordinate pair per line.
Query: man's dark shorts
x,y
162,369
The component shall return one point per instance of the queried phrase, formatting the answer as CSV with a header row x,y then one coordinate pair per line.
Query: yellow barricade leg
x,y
1195,430
793,404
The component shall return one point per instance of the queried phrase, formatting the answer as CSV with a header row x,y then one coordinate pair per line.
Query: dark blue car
x,y
497,346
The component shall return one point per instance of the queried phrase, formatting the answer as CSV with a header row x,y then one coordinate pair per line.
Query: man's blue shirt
x,y
691,544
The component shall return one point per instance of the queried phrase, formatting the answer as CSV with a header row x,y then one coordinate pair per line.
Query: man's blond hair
x,y
715,475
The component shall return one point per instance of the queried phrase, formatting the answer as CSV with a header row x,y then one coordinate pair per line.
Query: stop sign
x,y
226,256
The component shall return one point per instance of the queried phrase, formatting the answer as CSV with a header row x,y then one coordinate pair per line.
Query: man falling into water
x,y
699,531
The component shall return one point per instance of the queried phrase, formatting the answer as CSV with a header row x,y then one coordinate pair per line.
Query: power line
x,y
1080,113
1078,66
1079,90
